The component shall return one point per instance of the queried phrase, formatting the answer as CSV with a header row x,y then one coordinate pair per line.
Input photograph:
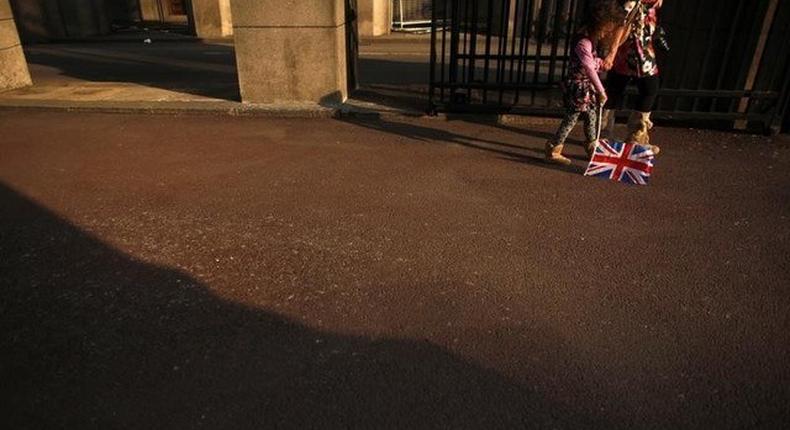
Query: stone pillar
x,y
227,18
290,51
13,66
375,17
212,18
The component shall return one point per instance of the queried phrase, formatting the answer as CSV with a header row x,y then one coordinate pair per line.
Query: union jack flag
x,y
623,162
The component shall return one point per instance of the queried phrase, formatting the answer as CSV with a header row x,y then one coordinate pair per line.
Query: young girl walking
x,y
583,91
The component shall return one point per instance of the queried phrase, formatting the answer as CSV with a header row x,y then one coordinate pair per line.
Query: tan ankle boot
x,y
638,130
646,118
554,154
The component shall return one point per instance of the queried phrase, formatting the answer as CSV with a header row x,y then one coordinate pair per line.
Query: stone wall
x,y
375,17
13,67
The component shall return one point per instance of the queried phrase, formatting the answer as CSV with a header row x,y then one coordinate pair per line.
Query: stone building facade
x,y
288,51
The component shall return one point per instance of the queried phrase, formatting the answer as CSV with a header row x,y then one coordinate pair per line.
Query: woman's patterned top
x,y
637,55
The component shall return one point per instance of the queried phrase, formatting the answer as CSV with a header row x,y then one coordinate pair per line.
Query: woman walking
x,y
633,59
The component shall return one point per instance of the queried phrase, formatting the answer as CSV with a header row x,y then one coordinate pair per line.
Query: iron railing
x,y
412,14
729,61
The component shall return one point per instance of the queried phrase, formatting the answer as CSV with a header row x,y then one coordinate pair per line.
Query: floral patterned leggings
x,y
571,118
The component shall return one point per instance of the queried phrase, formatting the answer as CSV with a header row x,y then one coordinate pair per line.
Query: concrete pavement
x,y
173,272
187,76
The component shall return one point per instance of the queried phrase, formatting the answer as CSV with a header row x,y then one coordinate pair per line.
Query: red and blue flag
x,y
622,162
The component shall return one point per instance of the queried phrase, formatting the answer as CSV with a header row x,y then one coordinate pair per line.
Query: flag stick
x,y
599,121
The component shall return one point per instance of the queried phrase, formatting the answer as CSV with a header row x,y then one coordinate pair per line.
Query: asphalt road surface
x,y
200,272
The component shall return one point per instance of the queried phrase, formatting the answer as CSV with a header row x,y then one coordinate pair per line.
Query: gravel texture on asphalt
x,y
193,272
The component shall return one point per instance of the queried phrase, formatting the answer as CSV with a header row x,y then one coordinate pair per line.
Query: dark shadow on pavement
x,y
494,123
485,121
93,338
403,81
523,154
404,85
207,70
396,84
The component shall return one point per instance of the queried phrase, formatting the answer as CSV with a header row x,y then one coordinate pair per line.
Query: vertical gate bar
x,y
523,49
555,40
684,67
730,41
444,45
498,54
706,60
512,15
538,48
529,11
503,48
454,38
489,31
512,11
465,24
569,35
498,79
431,84
473,44
465,46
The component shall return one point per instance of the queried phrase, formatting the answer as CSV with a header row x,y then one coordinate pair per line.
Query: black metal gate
x,y
730,60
